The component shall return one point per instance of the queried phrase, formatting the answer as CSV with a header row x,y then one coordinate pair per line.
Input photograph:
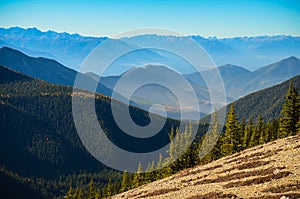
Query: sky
x,y
220,18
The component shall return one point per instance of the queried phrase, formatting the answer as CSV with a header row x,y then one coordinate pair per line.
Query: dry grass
x,y
258,180
279,196
284,188
158,192
240,175
215,195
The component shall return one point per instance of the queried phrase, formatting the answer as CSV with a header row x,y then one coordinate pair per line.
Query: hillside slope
x,y
39,144
264,77
47,69
267,102
239,82
267,171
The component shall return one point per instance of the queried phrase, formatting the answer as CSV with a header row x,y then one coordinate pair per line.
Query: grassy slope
x,y
267,171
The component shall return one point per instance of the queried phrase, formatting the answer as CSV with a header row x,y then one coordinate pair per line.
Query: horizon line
x,y
183,35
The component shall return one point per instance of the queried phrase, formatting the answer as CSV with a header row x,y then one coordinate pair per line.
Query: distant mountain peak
x,y
150,68
18,54
291,58
231,66
11,51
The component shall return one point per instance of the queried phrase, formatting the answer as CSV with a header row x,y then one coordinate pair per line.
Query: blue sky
x,y
108,18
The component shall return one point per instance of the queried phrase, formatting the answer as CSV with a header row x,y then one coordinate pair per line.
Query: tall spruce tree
x,y
241,129
138,176
289,113
92,190
259,131
125,182
248,133
70,193
229,144
211,140
109,188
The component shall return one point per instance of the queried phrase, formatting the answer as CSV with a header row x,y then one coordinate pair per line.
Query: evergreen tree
x,y
248,134
241,134
79,194
159,167
256,134
138,176
290,113
211,141
70,193
229,144
259,130
92,191
267,132
150,172
125,184
274,130
109,189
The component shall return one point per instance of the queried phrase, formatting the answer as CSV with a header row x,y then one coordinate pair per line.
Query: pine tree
x,y
159,168
80,194
290,113
248,134
210,145
229,144
260,130
109,189
241,134
150,172
267,132
138,176
171,150
256,134
92,191
274,130
70,193
125,183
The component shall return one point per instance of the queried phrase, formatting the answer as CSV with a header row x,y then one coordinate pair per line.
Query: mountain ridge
x,y
71,49
46,69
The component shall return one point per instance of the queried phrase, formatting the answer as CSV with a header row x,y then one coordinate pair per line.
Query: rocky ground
x,y
268,171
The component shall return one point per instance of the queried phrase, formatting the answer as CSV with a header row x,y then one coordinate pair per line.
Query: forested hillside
x,y
267,102
39,143
238,135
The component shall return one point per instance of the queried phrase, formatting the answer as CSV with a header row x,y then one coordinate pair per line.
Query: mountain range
x,y
71,49
237,81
